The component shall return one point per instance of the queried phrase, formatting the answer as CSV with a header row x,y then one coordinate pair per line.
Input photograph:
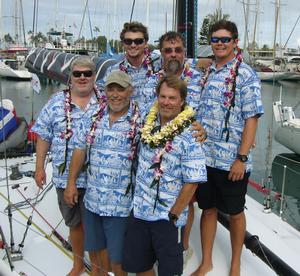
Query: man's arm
x,y
77,161
248,137
42,148
184,198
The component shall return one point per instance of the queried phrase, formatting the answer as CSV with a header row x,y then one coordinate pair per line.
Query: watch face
x,y
243,158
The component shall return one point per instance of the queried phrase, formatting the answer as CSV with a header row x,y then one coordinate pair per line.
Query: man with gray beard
x,y
171,46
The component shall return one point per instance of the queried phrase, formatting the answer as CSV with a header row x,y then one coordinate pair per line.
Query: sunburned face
x,y
82,80
170,103
118,98
173,52
223,51
134,44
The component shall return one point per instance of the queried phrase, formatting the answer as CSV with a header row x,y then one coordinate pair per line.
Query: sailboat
x,y
45,250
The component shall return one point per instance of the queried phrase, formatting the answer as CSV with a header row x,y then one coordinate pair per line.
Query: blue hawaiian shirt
x,y
138,75
185,163
219,153
50,124
109,170
193,89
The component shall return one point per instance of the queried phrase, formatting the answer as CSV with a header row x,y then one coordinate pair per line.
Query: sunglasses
x,y
86,74
178,50
224,39
137,41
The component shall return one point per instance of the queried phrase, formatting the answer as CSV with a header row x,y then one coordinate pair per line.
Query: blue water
x,y
28,105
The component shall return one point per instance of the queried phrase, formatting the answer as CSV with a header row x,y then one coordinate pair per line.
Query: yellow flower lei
x,y
167,132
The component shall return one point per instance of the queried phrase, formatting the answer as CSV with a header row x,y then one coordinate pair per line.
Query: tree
x,y
208,21
203,39
8,39
101,42
38,40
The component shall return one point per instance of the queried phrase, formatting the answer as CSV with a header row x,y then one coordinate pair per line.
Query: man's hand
x,y
237,170
40,177
200,134
71,195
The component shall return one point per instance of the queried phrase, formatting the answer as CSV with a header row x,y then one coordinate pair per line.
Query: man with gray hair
x,y
56,127
105,146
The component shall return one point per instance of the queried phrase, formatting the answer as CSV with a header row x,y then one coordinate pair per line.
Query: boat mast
x,y
23,25
255,24
187,24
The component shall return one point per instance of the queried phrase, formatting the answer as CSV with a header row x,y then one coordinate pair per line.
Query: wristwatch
x,y
242,157
172,217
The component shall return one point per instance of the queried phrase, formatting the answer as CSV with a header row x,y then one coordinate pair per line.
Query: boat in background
x,y
286,166
288,132
12,62
11,68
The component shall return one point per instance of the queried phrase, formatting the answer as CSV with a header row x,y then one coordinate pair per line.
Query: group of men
x,y
133,156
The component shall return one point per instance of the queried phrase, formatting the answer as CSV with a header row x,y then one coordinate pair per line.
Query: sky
x,y
110,15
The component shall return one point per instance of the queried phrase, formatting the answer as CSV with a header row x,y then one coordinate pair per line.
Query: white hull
x,y
289,136
6,71
270,76
44,255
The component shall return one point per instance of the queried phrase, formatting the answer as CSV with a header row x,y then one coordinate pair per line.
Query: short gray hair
x,y
83,61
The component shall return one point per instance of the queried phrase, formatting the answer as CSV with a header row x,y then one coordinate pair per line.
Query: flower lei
x,y
132,135
230,83
147,64
163,139
68,132
134,140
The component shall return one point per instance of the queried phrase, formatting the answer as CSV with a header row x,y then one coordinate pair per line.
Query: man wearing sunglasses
x,y
171,45
229,111
56,127
137,62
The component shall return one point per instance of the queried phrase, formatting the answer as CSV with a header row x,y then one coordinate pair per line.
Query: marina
x,y
33,237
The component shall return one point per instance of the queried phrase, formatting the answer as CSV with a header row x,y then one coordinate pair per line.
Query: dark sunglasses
x,y
137,41
178,50
86,74
224,39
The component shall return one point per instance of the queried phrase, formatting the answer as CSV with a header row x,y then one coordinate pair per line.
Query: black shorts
x,y
72,214
149,241
226,195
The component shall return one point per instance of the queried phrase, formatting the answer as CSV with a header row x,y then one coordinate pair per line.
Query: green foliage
x,y
38,40
8,39
208,21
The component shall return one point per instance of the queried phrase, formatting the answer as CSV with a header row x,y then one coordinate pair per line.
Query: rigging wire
x,y
12,242
132,9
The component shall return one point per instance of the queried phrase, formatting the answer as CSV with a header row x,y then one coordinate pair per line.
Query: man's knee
x,y
209,213
238,216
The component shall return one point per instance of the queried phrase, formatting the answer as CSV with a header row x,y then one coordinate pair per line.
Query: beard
x,y
173,67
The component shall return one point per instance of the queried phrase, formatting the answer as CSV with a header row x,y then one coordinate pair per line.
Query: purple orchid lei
x,y
230,83
134,140
147,64
68,132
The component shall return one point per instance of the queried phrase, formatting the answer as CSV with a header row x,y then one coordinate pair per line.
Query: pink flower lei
x,y
147,64
230,83
134,140
68,132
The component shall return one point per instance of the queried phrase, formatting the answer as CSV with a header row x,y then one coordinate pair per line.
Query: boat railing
x,y
284,190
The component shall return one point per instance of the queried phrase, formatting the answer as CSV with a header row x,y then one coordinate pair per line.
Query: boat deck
x,y
43,253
